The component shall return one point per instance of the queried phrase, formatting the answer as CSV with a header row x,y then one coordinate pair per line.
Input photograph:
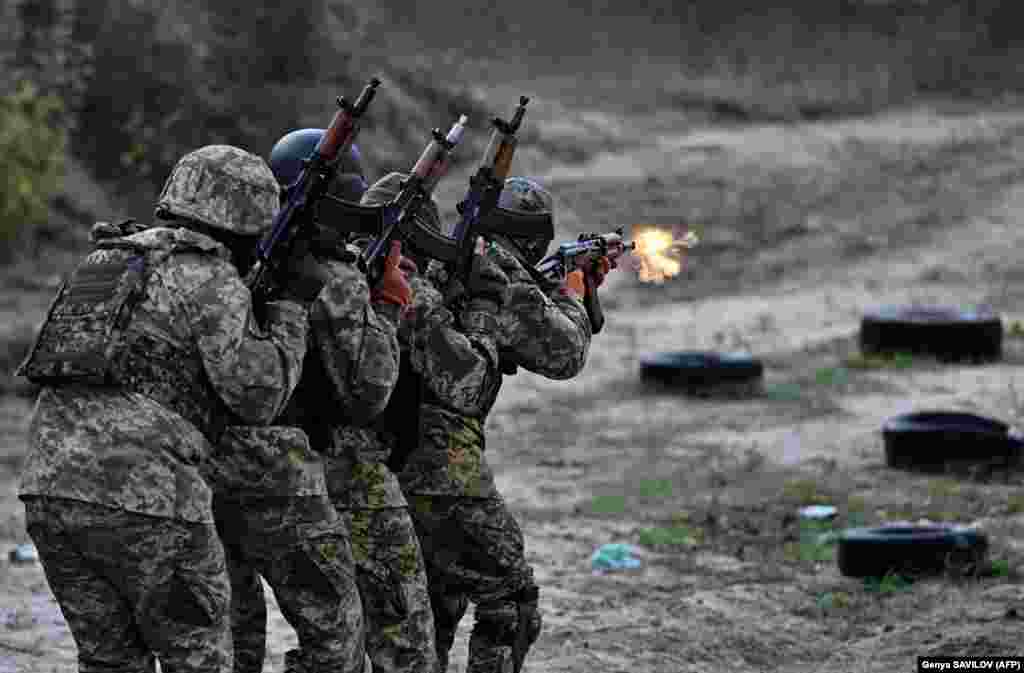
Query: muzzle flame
x,y
661,256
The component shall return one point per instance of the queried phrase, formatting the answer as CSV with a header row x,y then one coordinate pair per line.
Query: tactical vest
x,y
85,338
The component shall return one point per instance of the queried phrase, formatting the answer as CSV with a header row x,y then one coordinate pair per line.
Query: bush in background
x,y
32,144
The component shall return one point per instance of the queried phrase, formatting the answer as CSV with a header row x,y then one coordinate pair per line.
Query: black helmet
x,y
290,152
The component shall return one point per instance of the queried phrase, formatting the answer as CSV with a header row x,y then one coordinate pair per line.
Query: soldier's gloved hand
x,y
393,287
578,281
487,283
574,285
301,278
598,271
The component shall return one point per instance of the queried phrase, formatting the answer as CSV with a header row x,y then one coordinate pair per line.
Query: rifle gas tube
x,y
297,214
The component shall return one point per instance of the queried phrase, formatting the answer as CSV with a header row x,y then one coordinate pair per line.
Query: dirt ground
x,y
804,226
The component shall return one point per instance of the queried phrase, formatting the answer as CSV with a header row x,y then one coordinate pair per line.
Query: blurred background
x,y
102,96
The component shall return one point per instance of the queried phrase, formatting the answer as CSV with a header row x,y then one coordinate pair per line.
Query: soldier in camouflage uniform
x,y
148,348
350,374
270,495
472,545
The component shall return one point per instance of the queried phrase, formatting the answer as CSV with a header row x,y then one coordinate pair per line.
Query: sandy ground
x,y
809,225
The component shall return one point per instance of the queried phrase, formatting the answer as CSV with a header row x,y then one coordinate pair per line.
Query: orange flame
x,y
661,256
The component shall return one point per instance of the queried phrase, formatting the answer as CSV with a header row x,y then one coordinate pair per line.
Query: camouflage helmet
x,y
289,155
222,187
525,196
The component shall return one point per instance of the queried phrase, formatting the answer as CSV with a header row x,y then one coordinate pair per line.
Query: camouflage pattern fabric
x,y
544,331
547,332
393,584
356,340
223,187
350,371
123,449
301,547
133,586
265,461
471,544
461,380
473,549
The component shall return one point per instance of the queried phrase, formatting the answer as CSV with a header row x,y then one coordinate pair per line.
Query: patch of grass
x,y
805,492
656,488
890,584
999,568
856,511
834,600
1015,329
892,361
942,516
783,392
608,504
671,536
810,551
943,488
1015,504
831,376
897,513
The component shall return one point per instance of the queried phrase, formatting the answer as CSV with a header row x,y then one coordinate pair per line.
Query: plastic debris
x,y
613,557
818,512
23,553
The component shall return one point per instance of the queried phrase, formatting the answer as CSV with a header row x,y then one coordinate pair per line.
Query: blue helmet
x,y
290,152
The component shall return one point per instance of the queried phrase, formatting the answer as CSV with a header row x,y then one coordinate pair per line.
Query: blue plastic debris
x,y
614,557
24,553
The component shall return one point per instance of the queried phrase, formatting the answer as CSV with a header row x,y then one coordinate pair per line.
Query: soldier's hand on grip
x,y
393,287
598,271
574,284
486,281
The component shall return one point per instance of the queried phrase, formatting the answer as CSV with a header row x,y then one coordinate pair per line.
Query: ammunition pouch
x,y
83,336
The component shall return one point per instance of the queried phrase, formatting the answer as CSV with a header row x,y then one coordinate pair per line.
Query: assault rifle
x,y
485,187
297,214
578,254
398,218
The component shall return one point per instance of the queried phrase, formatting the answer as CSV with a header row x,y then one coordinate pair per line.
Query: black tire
x,y
928,440
701,370
910,550
949,334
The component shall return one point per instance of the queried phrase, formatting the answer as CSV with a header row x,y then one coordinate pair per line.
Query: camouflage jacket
x,y
545,332
128,446
351,368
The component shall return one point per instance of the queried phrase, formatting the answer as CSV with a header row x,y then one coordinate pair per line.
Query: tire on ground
x,y
931,440
947,333
910,550
703,372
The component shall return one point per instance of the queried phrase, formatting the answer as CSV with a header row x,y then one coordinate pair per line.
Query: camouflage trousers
x,y
393,584
473,550
301,548
133,587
